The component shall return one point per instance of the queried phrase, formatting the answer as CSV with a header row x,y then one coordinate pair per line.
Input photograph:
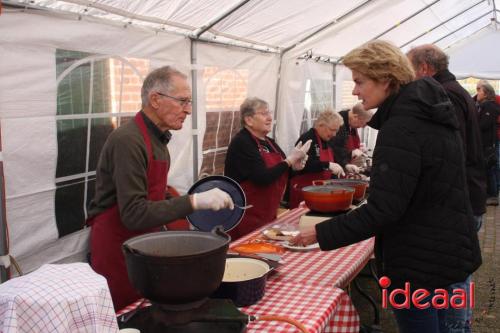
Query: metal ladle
x,y
243,207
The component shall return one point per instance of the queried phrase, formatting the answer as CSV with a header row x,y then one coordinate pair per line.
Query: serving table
x,y
323,268
307,287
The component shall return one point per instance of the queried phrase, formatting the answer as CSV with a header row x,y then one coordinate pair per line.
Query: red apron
x,y
108,233
299,181
264,198
353,140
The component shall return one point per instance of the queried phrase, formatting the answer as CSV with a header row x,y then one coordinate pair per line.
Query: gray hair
x,y
360,111
488,90
158,80
249,106
430,55
327,117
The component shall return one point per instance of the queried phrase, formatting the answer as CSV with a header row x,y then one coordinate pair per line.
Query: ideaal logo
x,y
440,299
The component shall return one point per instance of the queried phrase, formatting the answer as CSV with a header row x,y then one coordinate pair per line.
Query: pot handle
x,y
318,182
218,230
128,249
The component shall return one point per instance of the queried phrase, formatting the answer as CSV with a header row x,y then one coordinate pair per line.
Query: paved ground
x,y
487,278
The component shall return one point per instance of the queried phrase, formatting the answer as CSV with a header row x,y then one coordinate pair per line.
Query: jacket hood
x,y
423,99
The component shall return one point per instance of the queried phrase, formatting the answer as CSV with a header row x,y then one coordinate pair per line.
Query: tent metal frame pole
x,y
4,251
123,13
209,41
328,25
442,23
406,19
463,26
198,32
194,105
277,96
495,11
244,40
334,92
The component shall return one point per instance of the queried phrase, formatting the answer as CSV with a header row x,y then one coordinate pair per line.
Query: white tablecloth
x,y
57,298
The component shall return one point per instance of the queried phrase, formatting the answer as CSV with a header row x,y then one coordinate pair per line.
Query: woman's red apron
x,y
299,181
264,198
353,140
108,232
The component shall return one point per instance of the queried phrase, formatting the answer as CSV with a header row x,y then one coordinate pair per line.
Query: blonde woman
x,y
418,208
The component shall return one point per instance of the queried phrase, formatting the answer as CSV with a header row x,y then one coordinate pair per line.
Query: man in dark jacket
x,y
429,60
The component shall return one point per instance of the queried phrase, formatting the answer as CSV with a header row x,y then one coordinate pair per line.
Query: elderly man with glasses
x,y
131,180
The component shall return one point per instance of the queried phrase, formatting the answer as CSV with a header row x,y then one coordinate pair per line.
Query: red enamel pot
x,y
328,198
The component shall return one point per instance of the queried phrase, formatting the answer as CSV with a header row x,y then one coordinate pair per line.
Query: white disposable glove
x,y
352,168
299,165
336,169
298,153
356,153
213,199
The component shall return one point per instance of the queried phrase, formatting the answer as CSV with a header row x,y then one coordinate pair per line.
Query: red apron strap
x,y
147,141
353,140
300,181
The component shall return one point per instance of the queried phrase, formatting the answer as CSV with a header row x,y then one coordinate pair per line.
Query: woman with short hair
x,y
489,112
259,165
320,164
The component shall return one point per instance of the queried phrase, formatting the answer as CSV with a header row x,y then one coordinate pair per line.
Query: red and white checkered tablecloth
x,y
57,298
319,309
329,268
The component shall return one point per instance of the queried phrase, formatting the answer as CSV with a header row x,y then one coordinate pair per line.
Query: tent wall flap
x,y
31,130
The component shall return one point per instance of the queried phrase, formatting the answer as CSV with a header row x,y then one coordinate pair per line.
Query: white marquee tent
x,y
69,70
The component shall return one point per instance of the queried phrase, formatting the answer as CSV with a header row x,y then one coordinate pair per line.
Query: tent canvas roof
x,y
328,28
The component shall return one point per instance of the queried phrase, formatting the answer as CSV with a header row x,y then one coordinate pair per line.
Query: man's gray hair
x,y
158,80
429,54
249,106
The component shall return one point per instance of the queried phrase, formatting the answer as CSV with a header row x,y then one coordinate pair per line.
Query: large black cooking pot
x,y
178,269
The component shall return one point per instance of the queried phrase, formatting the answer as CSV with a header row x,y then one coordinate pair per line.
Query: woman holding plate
x,y
418,208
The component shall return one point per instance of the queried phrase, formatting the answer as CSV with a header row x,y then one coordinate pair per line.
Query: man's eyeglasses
x,y
182,101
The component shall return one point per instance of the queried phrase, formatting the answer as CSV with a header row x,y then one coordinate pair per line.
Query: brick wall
x,y
132,83
225,90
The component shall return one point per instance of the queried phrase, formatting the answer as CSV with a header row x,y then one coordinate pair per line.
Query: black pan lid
x,y
207,219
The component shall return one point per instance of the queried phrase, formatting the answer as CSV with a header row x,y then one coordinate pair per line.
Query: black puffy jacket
x,y
467,115
418,207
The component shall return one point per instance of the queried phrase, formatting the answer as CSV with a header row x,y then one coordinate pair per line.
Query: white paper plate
x,y
301,248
